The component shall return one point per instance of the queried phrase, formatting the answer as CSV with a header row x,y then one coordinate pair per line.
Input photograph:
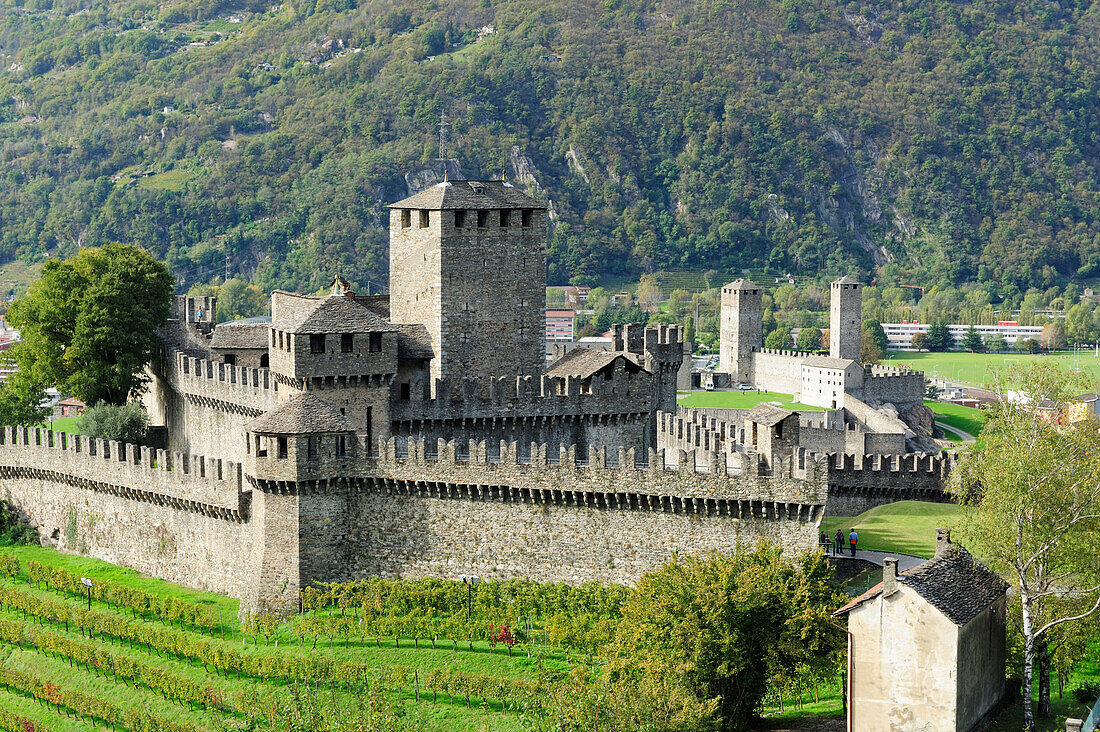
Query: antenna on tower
x,y
444,136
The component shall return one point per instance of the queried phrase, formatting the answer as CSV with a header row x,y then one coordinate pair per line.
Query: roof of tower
x,y
953,582
766,414
741,284
470,194
846,280
828,362
300,415
240,334
294,313
584,362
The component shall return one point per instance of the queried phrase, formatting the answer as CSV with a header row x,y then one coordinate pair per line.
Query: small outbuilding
x,y
927,646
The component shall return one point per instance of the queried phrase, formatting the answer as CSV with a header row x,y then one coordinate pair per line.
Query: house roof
x,y
827,362
413,341
470,194
767,414
294,313
238,334
300,415
953,582
584,362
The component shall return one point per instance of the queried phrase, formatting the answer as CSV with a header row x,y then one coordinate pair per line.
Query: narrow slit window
x,y
482,219
525,218
347,342
505,218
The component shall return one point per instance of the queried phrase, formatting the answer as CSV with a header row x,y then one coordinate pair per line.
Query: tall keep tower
x,y
845,318
740,328
468,260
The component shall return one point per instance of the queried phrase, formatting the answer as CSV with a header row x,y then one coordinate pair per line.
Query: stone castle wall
x,y
181,517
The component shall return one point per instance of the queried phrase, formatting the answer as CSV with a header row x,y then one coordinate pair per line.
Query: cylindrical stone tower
x,y
845,318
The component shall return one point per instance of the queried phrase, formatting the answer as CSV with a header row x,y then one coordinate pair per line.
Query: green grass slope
x,y
906,526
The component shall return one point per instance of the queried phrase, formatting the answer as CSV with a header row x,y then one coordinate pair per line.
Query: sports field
x,y
974,368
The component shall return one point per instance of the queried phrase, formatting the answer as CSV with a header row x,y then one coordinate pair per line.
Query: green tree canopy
x,y
1030,491
720,625
878,334
89,325
778,338
809,339
972,341
939,338
127,422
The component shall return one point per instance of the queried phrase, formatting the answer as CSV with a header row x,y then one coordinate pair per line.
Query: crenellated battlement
x,y
237,388
188,482
526,396
784,352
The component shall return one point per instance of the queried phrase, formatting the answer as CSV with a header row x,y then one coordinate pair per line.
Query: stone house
x,y
927,646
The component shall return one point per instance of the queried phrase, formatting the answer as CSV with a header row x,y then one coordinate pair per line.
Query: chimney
x,y
889,576
943,541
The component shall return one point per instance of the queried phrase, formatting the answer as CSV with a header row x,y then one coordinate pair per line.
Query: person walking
x,y
853,539
838,543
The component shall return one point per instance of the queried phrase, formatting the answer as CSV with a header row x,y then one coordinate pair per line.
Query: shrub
x,y
123,422
1087,693
14,529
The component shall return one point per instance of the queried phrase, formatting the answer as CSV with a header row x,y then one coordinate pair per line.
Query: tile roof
x,y
470,194
293,313
767,414
413,341
237,334
741,284
584,362
300,415
953,582
846,280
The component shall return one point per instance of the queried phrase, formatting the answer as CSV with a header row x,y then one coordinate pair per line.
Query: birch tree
x,y
1031,505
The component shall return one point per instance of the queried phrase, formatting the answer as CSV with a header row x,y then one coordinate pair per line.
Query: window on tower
x,y
406,219
460,219
375,342
317,343
347,342
525,217
505,218
424,219
482,219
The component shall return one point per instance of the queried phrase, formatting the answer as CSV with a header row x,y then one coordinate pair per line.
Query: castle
x,y
422,433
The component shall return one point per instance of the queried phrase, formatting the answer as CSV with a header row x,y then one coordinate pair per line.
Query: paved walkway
x,y
967,437
905,561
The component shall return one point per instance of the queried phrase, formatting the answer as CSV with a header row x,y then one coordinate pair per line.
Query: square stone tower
x,y
468,261
740,328
845,318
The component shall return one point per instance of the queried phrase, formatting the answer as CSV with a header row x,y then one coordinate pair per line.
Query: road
x,y
966,436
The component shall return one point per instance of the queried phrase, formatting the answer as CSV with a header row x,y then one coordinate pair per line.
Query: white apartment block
x,y
899,336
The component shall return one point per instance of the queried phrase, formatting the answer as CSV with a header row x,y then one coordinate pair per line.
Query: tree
x,y
779,338
940,338
972,341
1080,327
869,352
236,299
878,334
919,341
89,323
1028,345
996,343
1053,337
127,422
721,625
809,339
649,293
1030,493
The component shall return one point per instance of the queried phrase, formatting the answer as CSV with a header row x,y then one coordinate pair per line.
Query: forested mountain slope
x,y
935,141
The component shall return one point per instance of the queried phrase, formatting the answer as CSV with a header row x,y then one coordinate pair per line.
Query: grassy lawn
x,y
172,180
64,424
967,419
974,368
908,527
739,400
